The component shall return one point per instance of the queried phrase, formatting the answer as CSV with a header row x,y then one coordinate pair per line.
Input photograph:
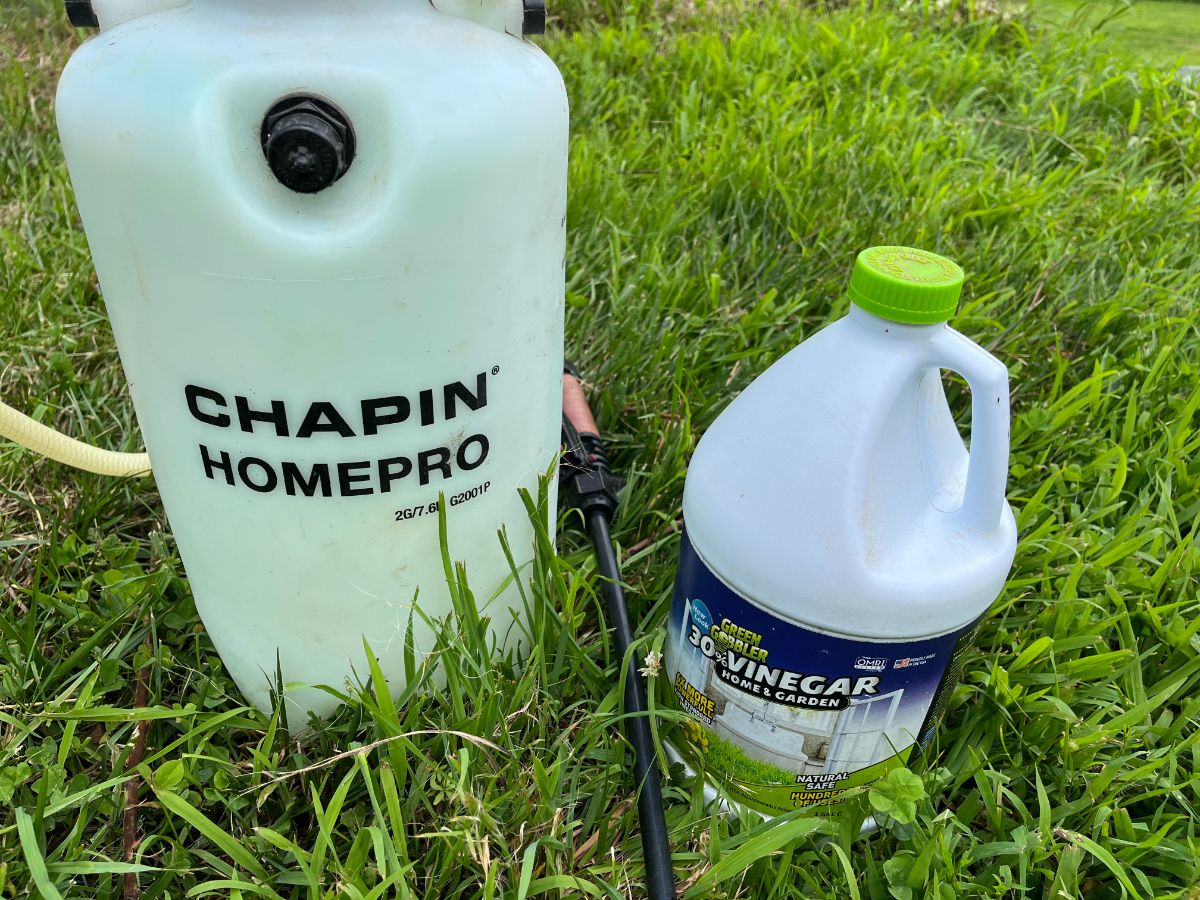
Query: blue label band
x,y
786,716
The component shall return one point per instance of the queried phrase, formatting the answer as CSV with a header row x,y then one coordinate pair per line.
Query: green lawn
x,y
1165,32
725,170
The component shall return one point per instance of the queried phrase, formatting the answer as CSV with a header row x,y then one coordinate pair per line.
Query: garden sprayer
x,y
330,238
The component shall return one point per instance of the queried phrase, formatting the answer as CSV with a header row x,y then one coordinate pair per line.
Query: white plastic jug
x,y
841,546
330,237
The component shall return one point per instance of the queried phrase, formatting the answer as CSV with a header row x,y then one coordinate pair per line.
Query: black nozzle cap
x,y
81,15
534,21
308,143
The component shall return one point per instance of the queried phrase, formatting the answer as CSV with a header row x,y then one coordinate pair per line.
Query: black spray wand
x,y
588,484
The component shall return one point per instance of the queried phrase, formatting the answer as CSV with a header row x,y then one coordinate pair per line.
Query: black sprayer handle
x,y
80,14
589,485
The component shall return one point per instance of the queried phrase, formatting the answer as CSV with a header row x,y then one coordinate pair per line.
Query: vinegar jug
x,y
841,546
330,239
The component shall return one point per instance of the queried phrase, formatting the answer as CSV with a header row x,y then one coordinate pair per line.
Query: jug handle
x,y
987,466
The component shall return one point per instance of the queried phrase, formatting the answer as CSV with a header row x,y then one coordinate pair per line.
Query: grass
x,y
720,755
1163,32
725,170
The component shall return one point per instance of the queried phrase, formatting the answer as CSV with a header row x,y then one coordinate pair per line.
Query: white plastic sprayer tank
x,y
330,238
841,546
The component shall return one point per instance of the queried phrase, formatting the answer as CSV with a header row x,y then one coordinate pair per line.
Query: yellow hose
x,y
35,436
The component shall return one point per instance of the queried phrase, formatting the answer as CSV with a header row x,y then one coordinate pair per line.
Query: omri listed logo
x,y
871,663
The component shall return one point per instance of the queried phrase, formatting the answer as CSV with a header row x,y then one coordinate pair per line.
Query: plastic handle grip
x,y
987,468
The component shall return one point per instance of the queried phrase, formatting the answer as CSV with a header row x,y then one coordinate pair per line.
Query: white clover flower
x,y
653,664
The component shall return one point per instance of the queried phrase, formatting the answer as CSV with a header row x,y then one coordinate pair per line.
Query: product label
x,y
404,415
785,716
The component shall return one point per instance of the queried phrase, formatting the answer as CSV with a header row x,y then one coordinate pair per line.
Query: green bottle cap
x,y
906,285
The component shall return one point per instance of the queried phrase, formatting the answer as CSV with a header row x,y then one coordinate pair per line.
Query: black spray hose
x,y
588,485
